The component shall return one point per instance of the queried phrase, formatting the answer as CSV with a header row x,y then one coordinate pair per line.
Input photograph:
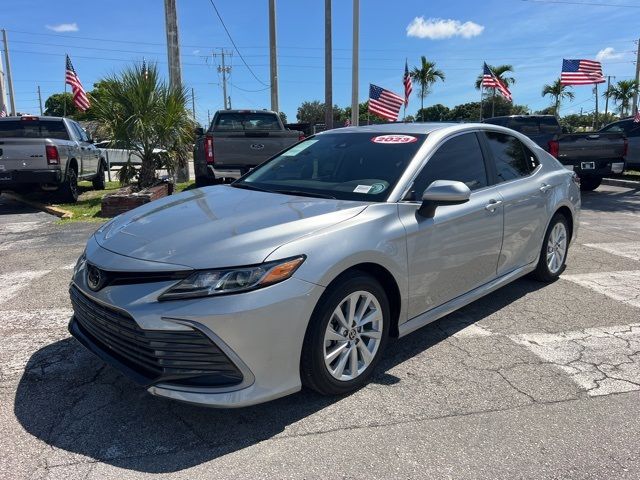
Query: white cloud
x,y
196,52
64,27
438,28
608,53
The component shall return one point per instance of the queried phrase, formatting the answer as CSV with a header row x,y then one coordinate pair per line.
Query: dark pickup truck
x,y
591,155
237,141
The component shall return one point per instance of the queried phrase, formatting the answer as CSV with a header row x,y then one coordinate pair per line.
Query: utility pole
x,y
208,118
173,46
224,70
193,104
595,115
328,68
40,99
273,56
7,62
606,96
634,110
3,92
355,110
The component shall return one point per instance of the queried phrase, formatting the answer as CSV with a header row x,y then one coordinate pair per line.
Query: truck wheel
x,y
588,184
98,181
68,191
202,181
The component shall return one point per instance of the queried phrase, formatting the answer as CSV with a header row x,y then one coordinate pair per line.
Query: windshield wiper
x,y
305,194
248,186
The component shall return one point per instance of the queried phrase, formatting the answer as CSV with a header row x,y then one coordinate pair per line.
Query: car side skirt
x,y
459,302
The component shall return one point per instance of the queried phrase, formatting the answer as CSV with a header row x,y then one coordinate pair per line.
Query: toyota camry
x,y
299,272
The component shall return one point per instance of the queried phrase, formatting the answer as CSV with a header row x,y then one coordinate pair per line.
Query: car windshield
x,y
346,166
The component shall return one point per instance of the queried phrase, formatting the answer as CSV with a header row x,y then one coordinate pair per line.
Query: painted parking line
x,y
623,249
621,286
12,283
601,360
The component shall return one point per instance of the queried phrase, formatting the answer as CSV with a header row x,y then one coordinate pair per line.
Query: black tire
x,y
542,272
588,184
98,181
202,181
313,371
68,191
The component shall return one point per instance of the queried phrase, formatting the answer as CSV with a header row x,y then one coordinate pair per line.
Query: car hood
x,y
219,226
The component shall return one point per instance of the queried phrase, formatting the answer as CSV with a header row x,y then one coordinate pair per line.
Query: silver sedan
x,y
299,272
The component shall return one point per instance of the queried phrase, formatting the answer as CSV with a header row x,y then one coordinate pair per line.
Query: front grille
x,y
157,356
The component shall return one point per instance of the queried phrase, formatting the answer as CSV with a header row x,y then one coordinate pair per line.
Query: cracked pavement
x,y
532,381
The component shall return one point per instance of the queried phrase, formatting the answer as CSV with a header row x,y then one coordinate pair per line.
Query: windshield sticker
x,y
362,189
292,152
377,188
394,139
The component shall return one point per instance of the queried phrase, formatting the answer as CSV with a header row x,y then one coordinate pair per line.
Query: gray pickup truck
x,y
237,141
48,153
591,155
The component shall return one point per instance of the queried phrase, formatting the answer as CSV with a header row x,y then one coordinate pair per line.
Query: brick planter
x,y
125,199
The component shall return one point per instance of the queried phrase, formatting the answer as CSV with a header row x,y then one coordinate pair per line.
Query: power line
x,y
590,4
245,90
234,45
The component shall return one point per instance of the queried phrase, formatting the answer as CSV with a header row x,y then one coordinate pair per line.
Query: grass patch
x,y
87,208
627,175
184,186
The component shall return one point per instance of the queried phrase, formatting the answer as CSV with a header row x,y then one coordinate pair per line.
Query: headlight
x,y
233,280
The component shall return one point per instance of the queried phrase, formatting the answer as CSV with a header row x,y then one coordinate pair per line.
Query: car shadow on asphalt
x,y
73,402
612,201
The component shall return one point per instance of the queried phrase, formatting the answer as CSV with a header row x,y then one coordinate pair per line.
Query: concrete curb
x,y
57,211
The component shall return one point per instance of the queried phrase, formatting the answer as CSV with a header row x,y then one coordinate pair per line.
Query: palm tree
x,y
499,71
559,92
426,75
143,114
622,93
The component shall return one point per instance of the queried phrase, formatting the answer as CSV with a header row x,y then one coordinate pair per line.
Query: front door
x,y
457,249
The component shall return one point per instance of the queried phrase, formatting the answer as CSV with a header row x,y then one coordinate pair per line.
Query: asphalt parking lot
x,y
533,381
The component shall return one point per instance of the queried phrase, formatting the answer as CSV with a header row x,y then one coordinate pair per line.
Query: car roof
x,y
399,127
40,117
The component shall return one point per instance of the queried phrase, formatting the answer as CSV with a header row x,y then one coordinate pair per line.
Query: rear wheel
x,y
553,254
587,184
68,191
98,181
202,181
346,336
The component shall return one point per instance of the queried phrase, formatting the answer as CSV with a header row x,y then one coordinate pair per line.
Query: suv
x,y
50,153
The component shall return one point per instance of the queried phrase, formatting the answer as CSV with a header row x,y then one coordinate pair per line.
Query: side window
x,y
614,127
633,130
80,132
510,157
458,159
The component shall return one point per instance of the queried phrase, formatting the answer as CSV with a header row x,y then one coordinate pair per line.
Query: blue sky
x,y
533,36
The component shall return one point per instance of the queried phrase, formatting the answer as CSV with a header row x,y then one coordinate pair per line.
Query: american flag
x,y
490,80
79,95
406,80
3,110
581,72
384,103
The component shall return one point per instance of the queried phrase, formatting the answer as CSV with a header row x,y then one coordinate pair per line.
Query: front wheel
x,y
588,184
553,255
346,336
98,181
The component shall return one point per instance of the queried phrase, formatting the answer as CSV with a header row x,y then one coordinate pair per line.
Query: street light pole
x,y
355,110
7,62
328,68
273,56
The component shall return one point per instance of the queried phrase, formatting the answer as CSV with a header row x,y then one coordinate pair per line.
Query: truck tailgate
x,y
249,149
22,154
590,147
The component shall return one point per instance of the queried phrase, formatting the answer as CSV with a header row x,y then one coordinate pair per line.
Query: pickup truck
x,y
49,153
631,129
591,155
237,141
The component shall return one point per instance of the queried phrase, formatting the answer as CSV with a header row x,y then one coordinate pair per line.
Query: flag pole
x,y
64,97
481,92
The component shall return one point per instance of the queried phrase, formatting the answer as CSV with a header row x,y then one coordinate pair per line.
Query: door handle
x,y
545,188
492,205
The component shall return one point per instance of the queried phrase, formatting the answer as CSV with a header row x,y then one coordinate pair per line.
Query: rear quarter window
x,y
240,121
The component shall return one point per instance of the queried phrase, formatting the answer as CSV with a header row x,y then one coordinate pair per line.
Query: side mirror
x,y
443,192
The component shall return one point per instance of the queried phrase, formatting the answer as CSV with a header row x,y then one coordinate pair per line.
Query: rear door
x,y
457,249
517,176
90,154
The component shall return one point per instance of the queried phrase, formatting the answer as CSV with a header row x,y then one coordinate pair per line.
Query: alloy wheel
x,y
353,335
556,247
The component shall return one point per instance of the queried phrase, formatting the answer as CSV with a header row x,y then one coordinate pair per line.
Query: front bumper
x,y
18,178
260,332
